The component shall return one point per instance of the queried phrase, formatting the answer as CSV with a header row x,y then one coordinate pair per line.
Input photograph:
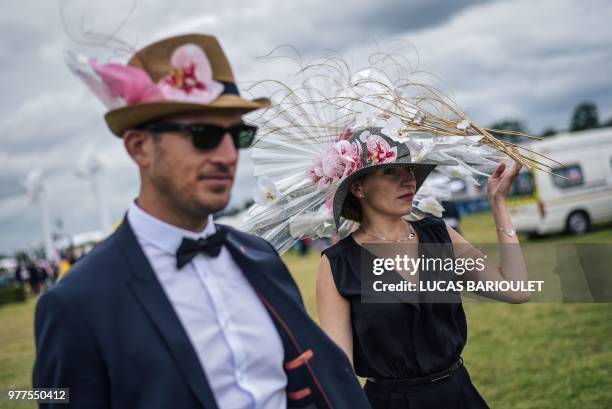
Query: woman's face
x,y
386,191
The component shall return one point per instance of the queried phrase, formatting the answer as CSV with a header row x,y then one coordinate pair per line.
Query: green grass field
x,y
519,356
16,349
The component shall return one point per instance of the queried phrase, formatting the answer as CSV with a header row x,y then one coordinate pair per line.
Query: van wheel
x,y
578,223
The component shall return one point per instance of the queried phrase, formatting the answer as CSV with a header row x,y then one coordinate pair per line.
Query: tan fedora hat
x,y
181,74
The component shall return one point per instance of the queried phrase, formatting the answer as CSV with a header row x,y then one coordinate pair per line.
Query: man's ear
x,y
139,145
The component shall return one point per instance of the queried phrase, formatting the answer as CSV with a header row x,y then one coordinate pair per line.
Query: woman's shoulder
x,y
344,258
340,248
432,229
430,220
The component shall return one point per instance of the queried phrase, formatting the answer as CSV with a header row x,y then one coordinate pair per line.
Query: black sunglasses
x,y
208,136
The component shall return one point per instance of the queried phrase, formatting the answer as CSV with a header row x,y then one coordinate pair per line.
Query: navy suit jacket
x,y
108,332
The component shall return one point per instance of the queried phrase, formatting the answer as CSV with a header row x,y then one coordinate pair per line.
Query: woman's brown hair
x,y
351,208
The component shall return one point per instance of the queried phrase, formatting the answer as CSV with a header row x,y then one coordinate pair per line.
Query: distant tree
x,y
585,117
608,122
549,132
508,125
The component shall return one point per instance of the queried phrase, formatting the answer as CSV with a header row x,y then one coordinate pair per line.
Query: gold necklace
x,y
410,236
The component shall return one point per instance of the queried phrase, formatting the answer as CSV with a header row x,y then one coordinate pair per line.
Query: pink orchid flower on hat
x,y
119,85
131,84
350,153
338,161
379,150
191,80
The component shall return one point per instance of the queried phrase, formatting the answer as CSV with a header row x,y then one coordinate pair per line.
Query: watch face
x,y
510,232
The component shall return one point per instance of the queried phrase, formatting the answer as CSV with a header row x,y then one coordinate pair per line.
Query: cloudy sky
x,y
528,59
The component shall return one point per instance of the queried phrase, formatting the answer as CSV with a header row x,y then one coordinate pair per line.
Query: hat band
x,y
229,88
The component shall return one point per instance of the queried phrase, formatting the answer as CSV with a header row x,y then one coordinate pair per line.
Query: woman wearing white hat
x,y
346,156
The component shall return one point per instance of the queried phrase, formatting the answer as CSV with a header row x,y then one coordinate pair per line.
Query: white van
x,y
541,203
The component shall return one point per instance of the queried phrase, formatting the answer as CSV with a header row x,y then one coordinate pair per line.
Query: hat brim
x,y
421,171
128,117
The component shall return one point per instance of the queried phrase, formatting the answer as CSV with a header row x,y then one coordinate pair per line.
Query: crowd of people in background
x,y
34,272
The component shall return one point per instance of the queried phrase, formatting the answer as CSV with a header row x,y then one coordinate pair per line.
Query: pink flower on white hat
x,y
350,156
119,85
191,80
331,163
379,150
316,175
130,84
339,160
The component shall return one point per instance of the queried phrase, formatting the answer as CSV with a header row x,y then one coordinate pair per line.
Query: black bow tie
x,y
189,248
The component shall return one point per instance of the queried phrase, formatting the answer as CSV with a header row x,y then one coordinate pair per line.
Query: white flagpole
x,y
35,190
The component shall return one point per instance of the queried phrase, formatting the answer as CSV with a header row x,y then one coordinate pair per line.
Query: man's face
x,y
191,181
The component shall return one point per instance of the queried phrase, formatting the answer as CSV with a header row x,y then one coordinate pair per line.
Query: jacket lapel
x,y
250,259
283,304
151,295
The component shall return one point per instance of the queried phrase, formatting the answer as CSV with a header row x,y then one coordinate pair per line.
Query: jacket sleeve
x,y
67,355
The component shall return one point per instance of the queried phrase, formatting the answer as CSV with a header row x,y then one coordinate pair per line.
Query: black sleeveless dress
x,y
403,340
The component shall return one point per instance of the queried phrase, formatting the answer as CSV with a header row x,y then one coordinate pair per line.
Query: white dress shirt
x,y
234,337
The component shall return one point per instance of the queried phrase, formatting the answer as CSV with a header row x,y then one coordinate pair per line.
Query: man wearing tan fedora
x,y
173,310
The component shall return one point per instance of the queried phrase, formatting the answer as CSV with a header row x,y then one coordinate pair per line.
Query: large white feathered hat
x,y
316,137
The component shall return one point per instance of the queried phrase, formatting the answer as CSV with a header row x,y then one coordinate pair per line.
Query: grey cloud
x,y
401,17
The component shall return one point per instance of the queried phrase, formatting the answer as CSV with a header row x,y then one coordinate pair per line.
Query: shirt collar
x,y
161,234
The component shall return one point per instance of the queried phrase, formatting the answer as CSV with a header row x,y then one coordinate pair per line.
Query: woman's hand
x,y
500,182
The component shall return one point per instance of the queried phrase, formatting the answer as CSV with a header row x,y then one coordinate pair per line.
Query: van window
x,y
523,185
572,173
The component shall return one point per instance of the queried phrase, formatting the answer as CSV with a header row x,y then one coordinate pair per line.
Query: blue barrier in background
x,y
475,205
